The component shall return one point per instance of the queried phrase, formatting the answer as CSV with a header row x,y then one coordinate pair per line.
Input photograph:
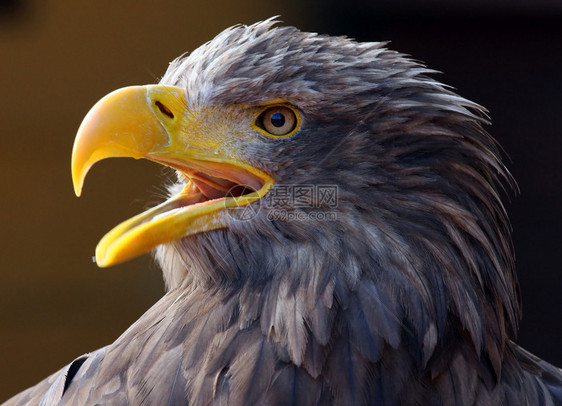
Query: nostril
x,y
164,110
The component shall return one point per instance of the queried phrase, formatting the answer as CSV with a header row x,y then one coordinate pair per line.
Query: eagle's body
x,y
405,295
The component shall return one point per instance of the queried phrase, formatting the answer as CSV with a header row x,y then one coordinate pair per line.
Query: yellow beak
x,y
153,122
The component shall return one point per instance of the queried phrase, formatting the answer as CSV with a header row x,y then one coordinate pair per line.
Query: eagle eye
x,y
278,121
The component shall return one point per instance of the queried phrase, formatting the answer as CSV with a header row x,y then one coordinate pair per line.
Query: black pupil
x,y
277,119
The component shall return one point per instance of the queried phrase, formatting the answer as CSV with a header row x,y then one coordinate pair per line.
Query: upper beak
x,y
153,122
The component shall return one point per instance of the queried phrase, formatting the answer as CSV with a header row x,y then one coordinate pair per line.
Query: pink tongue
x,y
208,191
213,187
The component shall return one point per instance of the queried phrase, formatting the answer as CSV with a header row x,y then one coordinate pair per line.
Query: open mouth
x,y
212,187
216,180
152,122
209,183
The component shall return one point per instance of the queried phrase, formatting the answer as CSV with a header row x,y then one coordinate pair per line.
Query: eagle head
x,y
318,177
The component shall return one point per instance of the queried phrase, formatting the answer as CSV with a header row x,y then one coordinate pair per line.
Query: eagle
x,y
334,236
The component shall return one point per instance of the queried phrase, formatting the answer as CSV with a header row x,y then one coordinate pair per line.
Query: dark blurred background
x,y
59,57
